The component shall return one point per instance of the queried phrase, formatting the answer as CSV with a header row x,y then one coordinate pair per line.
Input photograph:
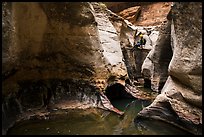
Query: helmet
x,y
141,35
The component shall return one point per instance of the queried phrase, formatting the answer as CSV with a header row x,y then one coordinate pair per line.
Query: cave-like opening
x,y
118,96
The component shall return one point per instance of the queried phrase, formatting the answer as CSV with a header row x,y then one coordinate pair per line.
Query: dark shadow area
x,y
161,85
118,96
117,91
147,83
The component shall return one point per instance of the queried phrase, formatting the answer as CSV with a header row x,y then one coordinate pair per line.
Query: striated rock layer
x,y
55,52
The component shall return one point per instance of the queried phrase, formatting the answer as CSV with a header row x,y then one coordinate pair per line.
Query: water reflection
x,y
95,122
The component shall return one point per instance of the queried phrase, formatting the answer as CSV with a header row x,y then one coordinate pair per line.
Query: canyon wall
x,y
55,51
180,101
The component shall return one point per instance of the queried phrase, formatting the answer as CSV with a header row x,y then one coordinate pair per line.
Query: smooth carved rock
x,y
134,58
180,101
58,42
155,66
110,42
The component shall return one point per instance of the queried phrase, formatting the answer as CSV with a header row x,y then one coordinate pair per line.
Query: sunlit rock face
x,y
50,43
60,40
155,66
135,57
180,101
46,45
110,42
119,6
56,45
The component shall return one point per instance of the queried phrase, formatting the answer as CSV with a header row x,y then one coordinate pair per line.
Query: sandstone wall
x,y
48,48
180,101
155,66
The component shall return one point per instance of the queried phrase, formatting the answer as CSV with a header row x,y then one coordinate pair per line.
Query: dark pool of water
x,y
95,122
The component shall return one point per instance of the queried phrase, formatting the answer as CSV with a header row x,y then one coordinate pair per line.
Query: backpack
x,y
143,41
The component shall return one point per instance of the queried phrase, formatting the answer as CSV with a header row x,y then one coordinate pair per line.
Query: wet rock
x,y
138,93
107,104
11,108
180,101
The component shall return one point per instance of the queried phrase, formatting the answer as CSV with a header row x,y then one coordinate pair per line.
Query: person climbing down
x,y
138,44
142,41
136,41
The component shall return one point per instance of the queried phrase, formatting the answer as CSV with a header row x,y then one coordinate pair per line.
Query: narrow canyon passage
x,y
101,68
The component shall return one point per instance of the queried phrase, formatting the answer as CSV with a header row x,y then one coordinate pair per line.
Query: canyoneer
x,y
142,41
139,43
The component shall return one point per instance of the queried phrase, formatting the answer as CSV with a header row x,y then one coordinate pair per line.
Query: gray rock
x,y
155,66
180,101
109,40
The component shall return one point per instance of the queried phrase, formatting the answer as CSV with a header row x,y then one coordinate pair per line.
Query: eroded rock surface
x,y
135,57
180,101
64,55
155,65
56,52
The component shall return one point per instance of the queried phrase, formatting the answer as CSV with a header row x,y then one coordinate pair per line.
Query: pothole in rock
x,y
118,96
